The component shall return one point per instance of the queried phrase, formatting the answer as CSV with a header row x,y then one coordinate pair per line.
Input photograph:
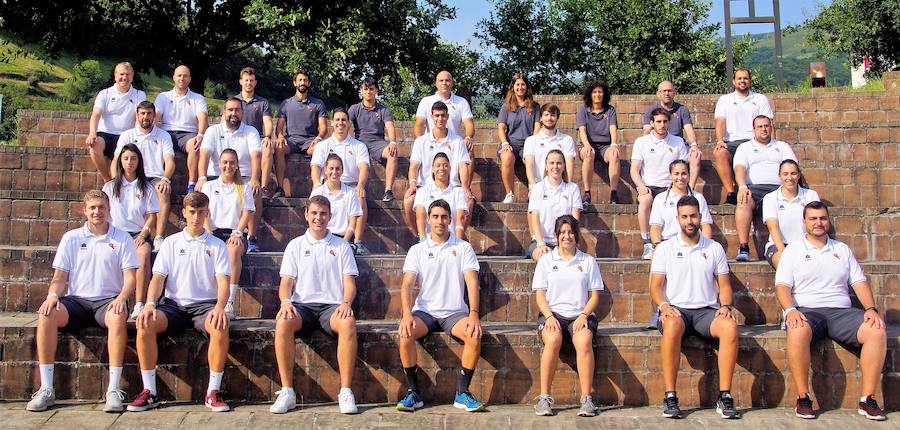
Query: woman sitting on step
x,y
548,200
783,210
440,188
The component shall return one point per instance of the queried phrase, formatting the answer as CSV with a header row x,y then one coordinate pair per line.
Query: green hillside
x,y
796,56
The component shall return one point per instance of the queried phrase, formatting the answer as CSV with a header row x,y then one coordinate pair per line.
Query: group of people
x,y
195,276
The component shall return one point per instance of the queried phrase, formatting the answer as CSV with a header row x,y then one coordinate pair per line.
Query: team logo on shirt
x,y
182,252
781,207
566,197
113,99
676,115
309,108
453,251
670,150
703,254
306,253
652,150
216,192
836,255
209,253
431,147
555,268
580,269
679,255
542,144
430,255
331,251
545,197
807,258
83,246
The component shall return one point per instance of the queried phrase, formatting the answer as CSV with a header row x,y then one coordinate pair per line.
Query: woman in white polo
x,y
663,213
230,206
783,210
548,200
133,205
345,207
567,283
441,188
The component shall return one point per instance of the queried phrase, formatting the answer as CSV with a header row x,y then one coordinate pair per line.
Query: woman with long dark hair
x,y
598,133
783,210
518,119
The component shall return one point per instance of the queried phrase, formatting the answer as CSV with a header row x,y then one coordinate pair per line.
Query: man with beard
x,y
301,125
113,113
689,279
182,113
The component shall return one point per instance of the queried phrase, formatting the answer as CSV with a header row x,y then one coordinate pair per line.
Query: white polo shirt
x,y
439,269
819,278
539,145
763,160
457,107
117,109
244,141
426,147
224,206
788,213
344,205
155,146
453,195
690,271
664,212
552,203
656,155
352,153
191,265
568,283
318,267
180,113
95,263
128,211
739,113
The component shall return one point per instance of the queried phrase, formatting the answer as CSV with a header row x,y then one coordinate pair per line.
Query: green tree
x,y
859,28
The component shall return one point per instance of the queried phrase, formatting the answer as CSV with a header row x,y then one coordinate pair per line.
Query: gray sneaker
x,y
544,406
587,407
114,401
157,243
41,400
648,252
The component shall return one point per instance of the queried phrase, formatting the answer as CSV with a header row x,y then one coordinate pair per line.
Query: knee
x,y
872,335
345,327
507,159
583,341
612,157
552,340
799,336
727,330
645,200
673,327
116,322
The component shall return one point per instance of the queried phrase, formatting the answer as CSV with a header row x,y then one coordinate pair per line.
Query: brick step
x,y
41,218
506,294
626,372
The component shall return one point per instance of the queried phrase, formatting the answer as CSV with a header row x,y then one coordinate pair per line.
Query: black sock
x,y
464,379
723,393
412,377
744,247
670,394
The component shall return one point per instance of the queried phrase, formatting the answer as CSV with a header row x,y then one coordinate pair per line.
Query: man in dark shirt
x,y
373,125
301,125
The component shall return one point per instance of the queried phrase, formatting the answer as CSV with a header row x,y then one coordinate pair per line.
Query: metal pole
x,y
729,58
779,75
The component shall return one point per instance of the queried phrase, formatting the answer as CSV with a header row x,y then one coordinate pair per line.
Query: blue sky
x,y
469,12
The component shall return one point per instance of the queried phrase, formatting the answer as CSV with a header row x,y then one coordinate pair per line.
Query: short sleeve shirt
x,y
596,125
117,109
568,283
519,123
180,113
440,270
656,155
302,117
95,264
344,205
664,212
352,153
788,213
368,124
127,212
245,141
255,110
679,116
539,145
739,113
318,267
690,271
458,109
155,146
762,161
552,203
225,206
191,266
426,147
819,278
453,195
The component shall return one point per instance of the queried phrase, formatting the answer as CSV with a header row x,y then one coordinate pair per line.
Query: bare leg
x,y
798,340
550,358
345,328
285,348
47,330
673,330
584,350
100,161
725,329
408,354
871,359
723,168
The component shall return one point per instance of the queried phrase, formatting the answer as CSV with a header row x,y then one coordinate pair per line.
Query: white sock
x,y
215,381
863,399
346,390
149,379
46,375
232,291
645,236
115,375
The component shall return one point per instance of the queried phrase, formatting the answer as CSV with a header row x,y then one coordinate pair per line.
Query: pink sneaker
x,y
214,401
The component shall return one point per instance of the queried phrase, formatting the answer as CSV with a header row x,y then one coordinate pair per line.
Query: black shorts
x,y
183,317
299,144
600,150
315,316
568,324
84,312
518,149
436,324
109,143
533,245
758,192
654,191
837,324
224,234
696,321
770,252
181,138
136,234
376,148
733,146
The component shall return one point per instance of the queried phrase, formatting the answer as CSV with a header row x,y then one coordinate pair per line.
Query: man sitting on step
x,y
94,275
113,114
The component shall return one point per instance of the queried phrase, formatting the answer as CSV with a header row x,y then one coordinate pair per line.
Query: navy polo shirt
x,y
520,123
302,117
679,116
596,124
368,124
254,110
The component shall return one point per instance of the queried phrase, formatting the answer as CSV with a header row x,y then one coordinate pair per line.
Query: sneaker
x,y
613,197
229,310
279,192
43,399
359,248
743,254
214,401
138,307
252,245
654,320
347,402
587,408
411,402
190,188
467,401
544,406
388,196
671,409
804,407
869,409
157,243
586,198
725,407
731,199
114,401
648,252
286,400
144,401
510,198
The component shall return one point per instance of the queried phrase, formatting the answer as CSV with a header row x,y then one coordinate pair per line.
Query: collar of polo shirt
x,y
654,139
201,238
86,230
432,244
779,196
554,254
684,244
445,100
829,242
312,241
543,136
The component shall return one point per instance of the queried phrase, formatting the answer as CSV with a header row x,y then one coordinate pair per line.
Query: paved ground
x,y
73,416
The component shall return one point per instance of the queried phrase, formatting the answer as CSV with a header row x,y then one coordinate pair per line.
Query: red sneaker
x,y
870,410
143,401
214,401
805,407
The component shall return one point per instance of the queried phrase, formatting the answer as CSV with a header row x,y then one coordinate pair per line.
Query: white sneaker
x,y
347,402
510,198
285,401
157,243
138,307
229,310
115,400
41,400
648,252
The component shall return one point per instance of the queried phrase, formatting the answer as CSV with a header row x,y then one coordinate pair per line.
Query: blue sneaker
x,y
252,246
467,401
190,189
411,402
